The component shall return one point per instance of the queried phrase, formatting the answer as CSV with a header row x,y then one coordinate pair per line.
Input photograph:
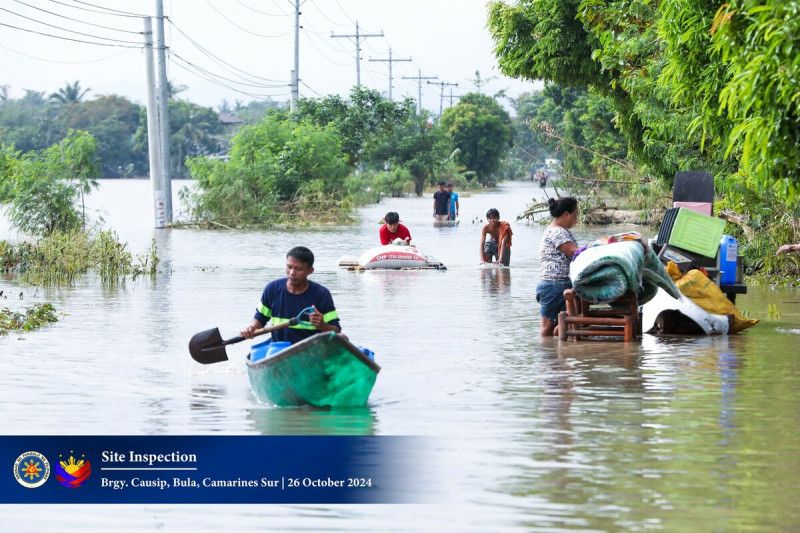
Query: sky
x,y
243,50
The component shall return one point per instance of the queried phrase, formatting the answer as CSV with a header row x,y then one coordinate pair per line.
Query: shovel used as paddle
x,y
208,347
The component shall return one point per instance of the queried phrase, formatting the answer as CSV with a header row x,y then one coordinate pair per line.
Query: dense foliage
x,y
316,164
35,122
691,84
275,161
363,121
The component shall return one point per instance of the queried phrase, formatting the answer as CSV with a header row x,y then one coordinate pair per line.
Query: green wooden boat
x,y
324,370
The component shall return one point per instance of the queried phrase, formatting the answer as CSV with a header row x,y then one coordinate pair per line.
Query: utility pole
x,y
296,72
153,137
358,36
163,117
451,97
441,92
390,61
419,87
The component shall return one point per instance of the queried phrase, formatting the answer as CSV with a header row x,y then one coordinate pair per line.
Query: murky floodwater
x,y
673,434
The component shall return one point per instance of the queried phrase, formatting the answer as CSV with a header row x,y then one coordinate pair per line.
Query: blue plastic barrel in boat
x,y
728,252
369,353
267,349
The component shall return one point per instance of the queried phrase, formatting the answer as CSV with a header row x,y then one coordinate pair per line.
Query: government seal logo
x,y
72,472
31,469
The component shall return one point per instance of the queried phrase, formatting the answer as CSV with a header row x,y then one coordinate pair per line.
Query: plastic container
x,y
267,349
366,351
696,232
728,251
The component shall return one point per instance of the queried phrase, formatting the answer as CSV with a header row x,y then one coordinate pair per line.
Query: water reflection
x,y
313,421
496,281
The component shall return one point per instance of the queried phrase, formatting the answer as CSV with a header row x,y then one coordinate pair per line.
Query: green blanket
x,y
601,274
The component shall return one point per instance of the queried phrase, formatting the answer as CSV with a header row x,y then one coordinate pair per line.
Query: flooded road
x,y
672,434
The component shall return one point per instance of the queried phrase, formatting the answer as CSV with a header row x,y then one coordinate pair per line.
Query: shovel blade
x,y
206,347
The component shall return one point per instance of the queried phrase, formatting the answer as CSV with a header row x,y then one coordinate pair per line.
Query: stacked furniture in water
x,y
614,283
691,237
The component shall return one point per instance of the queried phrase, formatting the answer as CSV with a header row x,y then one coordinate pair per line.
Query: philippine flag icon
x,y
72,473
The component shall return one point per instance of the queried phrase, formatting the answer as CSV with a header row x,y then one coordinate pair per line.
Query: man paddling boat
x,y
283,299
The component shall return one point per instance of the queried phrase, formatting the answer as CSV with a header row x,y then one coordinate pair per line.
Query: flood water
x,y
669,434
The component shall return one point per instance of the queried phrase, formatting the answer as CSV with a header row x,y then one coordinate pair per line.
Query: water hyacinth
x,y
27,319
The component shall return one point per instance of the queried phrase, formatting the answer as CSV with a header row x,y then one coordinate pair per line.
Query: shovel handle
x,y
275,327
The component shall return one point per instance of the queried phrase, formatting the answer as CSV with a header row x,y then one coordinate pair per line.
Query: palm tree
x,y
69,94
174,89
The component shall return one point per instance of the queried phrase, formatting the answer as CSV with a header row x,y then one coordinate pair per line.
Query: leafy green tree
x,y
26,123
44,187
419,147
757,43
113,121
277,160
481,130
564,41
694,84
364,120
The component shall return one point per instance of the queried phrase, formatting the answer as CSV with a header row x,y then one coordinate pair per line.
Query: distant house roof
x,y
227,118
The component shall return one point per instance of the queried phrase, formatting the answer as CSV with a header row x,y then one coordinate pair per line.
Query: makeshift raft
x,y
391,256
324,370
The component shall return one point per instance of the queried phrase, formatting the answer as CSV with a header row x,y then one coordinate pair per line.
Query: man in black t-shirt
x,y
441,203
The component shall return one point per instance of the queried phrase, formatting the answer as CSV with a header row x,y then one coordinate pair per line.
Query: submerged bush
x,y
27,319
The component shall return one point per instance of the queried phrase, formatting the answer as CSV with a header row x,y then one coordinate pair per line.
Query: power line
x,y
113,11
66,29
312,90
345,12
217,59
67,38
260,12
59,15
326,16
120,14
245,29
279,7
217,82
64,62
326,57
441,94
217,76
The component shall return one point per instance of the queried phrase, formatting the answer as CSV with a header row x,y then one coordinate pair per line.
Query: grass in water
x,y
59,258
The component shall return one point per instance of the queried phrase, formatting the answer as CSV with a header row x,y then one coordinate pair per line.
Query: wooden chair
x,y
619,318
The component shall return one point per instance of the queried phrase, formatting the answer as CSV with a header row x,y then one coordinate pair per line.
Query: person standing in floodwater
x,y
441,203
455,208
556,250
499,242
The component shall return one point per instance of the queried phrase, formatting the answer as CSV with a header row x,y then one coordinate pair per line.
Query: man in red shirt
x,y
393,230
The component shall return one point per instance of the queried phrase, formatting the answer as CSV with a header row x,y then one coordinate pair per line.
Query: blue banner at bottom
x,y
211,469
